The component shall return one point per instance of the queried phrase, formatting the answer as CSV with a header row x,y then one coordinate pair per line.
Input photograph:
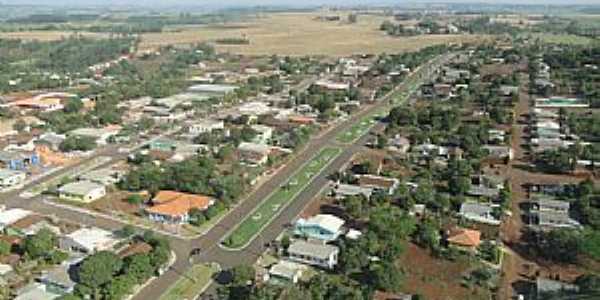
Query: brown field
x,y
46,36
301,34
436,279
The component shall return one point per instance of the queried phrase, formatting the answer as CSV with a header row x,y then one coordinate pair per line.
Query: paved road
x,y
209,242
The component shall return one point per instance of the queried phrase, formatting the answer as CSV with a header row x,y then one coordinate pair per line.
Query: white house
x,y
321,227
205,126
263,134
11,178
285,271
88,240
10,216
83,191
320,255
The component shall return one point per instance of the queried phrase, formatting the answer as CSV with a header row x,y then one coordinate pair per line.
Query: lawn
x,y
191,284
301,34
279,199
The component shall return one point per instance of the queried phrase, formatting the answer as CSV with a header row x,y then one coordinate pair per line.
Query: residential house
x,y
162,144
88,241
20,160
464,239
479,212
11,178
10,216
254,154
174,207
380,183
332,86
51,139
36,291
285,272
205,126
31,225
399,144
431,151
499,152
213,90
550,288
319,255
60,279
320,227
264,134
100,135
105,176
342,190
508,90
82,191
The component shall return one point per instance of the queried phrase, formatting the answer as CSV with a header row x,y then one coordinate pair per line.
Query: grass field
x,y
189,285
563,39
270,207
301,34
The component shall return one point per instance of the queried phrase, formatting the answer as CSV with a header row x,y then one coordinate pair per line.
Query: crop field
x,y
46,36
277,201
301,34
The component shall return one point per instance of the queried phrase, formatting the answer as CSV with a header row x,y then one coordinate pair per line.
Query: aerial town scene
x,y
299,150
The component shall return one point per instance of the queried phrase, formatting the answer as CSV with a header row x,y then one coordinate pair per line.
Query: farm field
x,y
301,34
47,36
563,39
264,213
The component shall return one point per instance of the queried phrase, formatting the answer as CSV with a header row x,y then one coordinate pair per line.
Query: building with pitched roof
x,y
465,239
320,227
174,207
82,191
319,255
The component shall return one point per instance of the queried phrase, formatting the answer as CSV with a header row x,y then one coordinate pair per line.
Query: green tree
x,y
40,244
73,106
77,143
98,269
5,248
139,266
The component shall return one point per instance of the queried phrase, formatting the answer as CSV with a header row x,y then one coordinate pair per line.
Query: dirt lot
x,y
301,34
436,279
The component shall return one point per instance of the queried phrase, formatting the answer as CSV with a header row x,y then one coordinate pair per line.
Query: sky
x,y
214,3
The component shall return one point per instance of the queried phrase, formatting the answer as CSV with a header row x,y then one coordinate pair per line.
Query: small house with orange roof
x,y
464,239
174,207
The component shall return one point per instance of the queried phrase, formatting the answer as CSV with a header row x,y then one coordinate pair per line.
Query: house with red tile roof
x,y
174,207
465,239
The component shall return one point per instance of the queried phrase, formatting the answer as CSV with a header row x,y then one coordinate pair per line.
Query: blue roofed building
x,y
320,227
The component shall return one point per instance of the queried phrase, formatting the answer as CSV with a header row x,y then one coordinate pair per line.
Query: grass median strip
x,y
190,284
265,212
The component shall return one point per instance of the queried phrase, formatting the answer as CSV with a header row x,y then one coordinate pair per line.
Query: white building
x,y
285,271
88,240
325,256
83,191
264,134
10,216
11,178
256,154
205,126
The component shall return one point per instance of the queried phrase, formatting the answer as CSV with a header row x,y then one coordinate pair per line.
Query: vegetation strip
x,y
263,214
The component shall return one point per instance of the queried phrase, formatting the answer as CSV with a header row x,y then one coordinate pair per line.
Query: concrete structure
x,y
320,227
88,241
212,89
478,212
100,135
36,291
19,160
11,178
342,190
285,272
264,134
319,255
255,154
205,126
82,191
10,216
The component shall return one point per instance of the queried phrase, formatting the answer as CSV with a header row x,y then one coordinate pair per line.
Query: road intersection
x,y
209,242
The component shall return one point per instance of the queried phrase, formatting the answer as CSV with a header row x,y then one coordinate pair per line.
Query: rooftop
x,y
320,251
175,204
465,237
80,187
330,222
